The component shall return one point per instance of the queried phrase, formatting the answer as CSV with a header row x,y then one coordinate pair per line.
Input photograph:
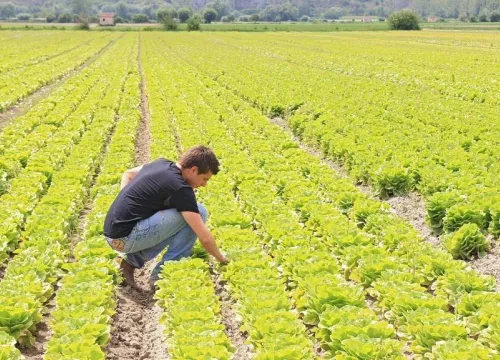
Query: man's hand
x,y
206,238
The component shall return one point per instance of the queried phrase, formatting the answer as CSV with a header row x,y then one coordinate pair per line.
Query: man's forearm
x,y
209,244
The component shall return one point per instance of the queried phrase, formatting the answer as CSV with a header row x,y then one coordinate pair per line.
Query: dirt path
x,y
238,339
143,138
136,331
31,100
411,208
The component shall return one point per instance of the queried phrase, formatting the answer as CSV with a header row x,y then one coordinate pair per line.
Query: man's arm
x,y
206,238
129,175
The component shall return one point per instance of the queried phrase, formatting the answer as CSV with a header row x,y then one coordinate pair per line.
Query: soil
x,y
238,338
29,101
143,138
136,333
489,264
412,209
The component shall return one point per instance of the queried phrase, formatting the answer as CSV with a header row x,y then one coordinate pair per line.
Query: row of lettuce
x,y
395,134
23,73
191,310
36,146
361,277
85,298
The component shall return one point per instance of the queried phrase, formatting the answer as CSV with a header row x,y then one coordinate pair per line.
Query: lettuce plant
x,y
437,205
458,215
467,242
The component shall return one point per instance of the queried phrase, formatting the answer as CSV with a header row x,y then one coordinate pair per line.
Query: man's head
x,y
198,164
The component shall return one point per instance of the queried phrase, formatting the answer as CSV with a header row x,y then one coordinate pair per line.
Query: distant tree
x,y
404,20
254,17
184,14
244,18
122,10
333,13
221,7
166,12
93,20
23,17
287,12
193,23
304,18
473,18
209,15
117,19
65,18
495,16
149,11
169,23
50,18
140,19
81,8
283,12
483,18
224,19
7,10
270,13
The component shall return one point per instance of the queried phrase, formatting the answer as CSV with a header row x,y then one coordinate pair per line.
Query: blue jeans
x,y
151,236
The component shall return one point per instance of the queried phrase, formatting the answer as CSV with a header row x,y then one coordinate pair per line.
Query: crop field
x,y
359,197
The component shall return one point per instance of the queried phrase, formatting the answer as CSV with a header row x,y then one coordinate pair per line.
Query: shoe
x,y
128,274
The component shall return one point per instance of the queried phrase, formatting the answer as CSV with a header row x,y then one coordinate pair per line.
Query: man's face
x,y
196,180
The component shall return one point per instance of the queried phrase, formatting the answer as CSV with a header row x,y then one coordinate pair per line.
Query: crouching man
x,y
157,208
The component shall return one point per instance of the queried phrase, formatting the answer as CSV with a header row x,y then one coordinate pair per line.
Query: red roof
x,y
106,15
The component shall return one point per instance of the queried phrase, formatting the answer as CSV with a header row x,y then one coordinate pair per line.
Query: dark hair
x,y
201,156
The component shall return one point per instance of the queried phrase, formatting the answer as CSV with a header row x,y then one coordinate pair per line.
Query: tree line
x,y
247,10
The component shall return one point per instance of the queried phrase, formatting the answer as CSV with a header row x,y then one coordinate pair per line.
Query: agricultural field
x,y
358,199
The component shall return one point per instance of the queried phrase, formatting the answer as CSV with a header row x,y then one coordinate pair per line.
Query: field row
x,y
28,66
60,185
401,114
352,267
318,268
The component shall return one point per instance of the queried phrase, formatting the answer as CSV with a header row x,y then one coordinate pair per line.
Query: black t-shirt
x,y
158,186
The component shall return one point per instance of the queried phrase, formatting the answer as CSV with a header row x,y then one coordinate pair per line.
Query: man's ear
x,y
194,170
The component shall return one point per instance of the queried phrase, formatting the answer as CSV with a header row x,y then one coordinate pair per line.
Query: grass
x,y
261,26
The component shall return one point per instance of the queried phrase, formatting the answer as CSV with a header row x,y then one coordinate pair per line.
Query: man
x,y
157,207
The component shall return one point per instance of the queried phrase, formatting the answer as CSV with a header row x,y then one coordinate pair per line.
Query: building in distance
x,y
107,19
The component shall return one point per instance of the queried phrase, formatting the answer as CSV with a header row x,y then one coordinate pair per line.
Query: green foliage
x,y
467,243
333,13
209,15
184,14
50,18
23,17
193,23
426,327
169,23
459,215
392,180
254,17
437,205
461,349
140,19
65,18
164,13
495,16
404,20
